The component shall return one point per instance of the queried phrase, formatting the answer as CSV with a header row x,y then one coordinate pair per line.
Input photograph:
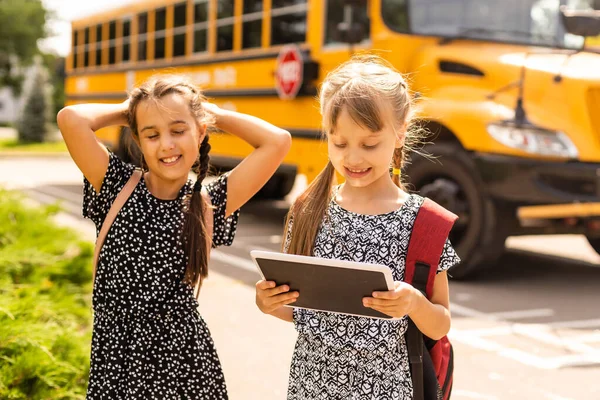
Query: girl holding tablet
x,y
366,109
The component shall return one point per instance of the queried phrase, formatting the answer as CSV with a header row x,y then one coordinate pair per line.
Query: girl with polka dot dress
x,y
366,109
149,340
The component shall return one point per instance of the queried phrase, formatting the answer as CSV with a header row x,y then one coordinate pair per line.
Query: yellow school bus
x,y
510,95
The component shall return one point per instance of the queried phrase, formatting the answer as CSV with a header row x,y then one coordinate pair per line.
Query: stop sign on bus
x,y
289,73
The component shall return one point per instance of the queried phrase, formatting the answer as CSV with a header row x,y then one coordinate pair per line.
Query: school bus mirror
x,y
581,22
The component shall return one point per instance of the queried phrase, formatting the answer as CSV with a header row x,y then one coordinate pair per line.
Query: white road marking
x,y
466,394
579,324
521,314
234,261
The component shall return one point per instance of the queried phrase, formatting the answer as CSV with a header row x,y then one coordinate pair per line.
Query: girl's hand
x,y
213,110
397,303
270,298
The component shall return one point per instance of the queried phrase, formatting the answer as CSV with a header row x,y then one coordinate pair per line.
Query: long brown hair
x,y
194,234
363,86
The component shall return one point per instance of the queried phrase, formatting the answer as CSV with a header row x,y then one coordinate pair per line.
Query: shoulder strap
x,y
427,240
208,217
114,210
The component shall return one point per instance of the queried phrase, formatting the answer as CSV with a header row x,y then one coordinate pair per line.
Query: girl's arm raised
x,y
77,125
270,143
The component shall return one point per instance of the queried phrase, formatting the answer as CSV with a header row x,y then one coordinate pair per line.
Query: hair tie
x,y
198,186
396,171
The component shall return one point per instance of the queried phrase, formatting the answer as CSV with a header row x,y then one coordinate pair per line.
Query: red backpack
x,y
431,370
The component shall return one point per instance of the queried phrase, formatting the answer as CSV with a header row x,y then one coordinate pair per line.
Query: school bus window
x,y
335,16
126,40
112,30
288,23
161,19
494,21
74,45
252,6
200,25
86,44
252,24
200,41
201,11
141,40
112,46
395,14
179,29
126,28
180,15
99,44
159,33
225,25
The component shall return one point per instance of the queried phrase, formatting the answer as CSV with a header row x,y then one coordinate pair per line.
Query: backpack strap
x,y
121,199
427,240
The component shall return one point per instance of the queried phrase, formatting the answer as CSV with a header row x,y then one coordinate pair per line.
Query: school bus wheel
x,y
277,187
594,241
450,179
128,150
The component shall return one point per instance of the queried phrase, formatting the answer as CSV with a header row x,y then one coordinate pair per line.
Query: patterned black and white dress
x,y
345,357
149,341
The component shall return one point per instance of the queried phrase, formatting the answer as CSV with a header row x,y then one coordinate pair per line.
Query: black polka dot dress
x,y
149,340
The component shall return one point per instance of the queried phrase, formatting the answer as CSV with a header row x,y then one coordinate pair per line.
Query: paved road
x,y
528,329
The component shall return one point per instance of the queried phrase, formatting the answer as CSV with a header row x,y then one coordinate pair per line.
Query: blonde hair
x,y
363,86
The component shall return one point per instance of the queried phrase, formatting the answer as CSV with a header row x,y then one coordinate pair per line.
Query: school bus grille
x,y
594,108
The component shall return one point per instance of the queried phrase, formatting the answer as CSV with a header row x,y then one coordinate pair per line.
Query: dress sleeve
x,y
449,258
96,205
223,228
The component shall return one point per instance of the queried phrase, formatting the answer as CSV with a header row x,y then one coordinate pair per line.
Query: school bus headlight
x,y
534,140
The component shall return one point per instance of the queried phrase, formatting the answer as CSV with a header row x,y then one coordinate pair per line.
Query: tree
x,y
32,125
56,68
22,24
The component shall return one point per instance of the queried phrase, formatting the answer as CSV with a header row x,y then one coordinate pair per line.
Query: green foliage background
x,y
45,304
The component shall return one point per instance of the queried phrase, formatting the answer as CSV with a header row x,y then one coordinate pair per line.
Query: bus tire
x,y
446,180
277,187
594,242
128,150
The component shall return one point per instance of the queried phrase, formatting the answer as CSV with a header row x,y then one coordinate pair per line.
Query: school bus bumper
x,y
549,196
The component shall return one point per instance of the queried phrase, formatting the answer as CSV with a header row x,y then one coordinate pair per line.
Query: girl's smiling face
x,y
169,136
361,156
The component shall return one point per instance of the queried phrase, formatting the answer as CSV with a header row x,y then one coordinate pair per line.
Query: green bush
x,y
45,305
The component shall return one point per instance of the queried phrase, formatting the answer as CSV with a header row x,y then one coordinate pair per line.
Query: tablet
x,y
326,284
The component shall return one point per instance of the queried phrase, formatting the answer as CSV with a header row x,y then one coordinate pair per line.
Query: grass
x,y
45,303
13,145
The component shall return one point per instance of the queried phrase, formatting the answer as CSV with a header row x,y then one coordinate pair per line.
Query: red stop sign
x,y
288,76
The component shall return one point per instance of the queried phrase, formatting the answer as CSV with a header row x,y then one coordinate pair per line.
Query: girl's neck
x,y
163,189
380,197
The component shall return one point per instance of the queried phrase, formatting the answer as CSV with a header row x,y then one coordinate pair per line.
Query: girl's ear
x,y
400,136
201,132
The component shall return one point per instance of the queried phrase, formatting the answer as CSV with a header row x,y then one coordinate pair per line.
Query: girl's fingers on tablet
x,y
264,285
281,299
284,302
277,290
